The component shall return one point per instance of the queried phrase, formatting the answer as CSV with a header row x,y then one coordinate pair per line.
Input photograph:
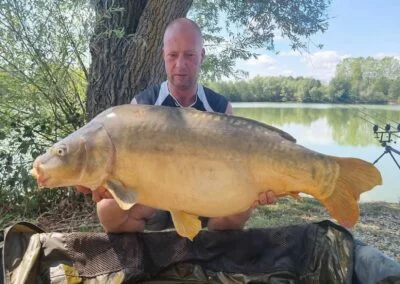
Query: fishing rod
x,y
385,129
385,136
377,118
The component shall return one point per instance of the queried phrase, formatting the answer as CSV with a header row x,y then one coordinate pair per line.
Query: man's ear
x,y
203,54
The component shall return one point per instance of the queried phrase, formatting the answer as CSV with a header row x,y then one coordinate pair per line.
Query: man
x,y
183,54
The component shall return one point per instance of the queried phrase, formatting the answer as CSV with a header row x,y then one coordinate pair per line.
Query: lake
x,y
339,130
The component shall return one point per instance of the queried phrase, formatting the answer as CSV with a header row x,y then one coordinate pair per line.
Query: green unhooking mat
x,y
312,253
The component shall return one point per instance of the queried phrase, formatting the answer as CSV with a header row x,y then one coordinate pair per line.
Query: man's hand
x,y
266,197
98,194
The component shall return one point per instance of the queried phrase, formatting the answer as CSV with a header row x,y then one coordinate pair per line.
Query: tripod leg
x,y
381,157
394,159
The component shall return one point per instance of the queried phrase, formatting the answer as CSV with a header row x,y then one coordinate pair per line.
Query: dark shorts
x,y
162,220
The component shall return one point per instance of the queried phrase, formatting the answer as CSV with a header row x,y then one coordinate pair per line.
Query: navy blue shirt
x,y
206,99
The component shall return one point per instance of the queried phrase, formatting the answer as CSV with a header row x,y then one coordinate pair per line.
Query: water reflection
x,y
336,130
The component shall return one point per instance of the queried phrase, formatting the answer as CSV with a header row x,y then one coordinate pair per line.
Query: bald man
x,y
183,54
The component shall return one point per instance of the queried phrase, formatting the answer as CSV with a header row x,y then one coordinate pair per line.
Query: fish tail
x,y
356,176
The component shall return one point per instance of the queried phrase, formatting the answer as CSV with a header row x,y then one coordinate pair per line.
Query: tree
x,y
339,89
126,49
394,90
368,80
126,45
43,76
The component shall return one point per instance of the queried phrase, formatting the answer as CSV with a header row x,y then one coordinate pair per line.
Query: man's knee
x,y
111,216
372,266
116,220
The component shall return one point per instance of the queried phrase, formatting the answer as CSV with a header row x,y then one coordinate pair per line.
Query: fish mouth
x,y
41,179
34,173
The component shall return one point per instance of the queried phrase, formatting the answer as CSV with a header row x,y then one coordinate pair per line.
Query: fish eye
x,y
61,151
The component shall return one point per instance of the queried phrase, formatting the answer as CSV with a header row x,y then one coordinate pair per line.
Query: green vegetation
x,y
357,80
235,29
43,81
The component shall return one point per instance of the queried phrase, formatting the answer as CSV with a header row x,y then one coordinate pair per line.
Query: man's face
x,y
183,55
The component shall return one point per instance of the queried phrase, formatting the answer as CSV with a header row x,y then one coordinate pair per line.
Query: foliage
x,y
367,80
43,72
272,89
357,80
235,29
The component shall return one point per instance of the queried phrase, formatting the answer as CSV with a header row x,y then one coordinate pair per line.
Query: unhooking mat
x,y
313,253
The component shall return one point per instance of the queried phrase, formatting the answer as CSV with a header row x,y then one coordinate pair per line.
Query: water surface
x,y
340,130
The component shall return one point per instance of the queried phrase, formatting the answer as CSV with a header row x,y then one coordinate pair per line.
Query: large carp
x,y
195,163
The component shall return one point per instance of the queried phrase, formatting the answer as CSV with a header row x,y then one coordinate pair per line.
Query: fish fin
x,y
186,225
356,176
125,197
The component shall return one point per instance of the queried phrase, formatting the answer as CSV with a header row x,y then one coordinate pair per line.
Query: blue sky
x,y
356,28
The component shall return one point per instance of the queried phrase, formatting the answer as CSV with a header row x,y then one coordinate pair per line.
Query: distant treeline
x,y
357,80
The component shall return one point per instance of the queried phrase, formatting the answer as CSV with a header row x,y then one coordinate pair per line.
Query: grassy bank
x,y
379,223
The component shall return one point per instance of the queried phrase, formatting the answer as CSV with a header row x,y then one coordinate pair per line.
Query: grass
x,y
287,211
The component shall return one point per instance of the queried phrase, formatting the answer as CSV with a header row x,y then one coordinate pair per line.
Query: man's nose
x,y
180,61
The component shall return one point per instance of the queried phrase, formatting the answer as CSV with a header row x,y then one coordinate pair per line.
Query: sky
x,y
356,28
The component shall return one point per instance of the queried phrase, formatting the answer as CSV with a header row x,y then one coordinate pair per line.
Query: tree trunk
x,y
126,49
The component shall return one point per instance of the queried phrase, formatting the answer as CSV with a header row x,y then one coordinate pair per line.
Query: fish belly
x,y
192,184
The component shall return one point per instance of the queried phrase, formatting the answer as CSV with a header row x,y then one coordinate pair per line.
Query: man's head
x,y
183,53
